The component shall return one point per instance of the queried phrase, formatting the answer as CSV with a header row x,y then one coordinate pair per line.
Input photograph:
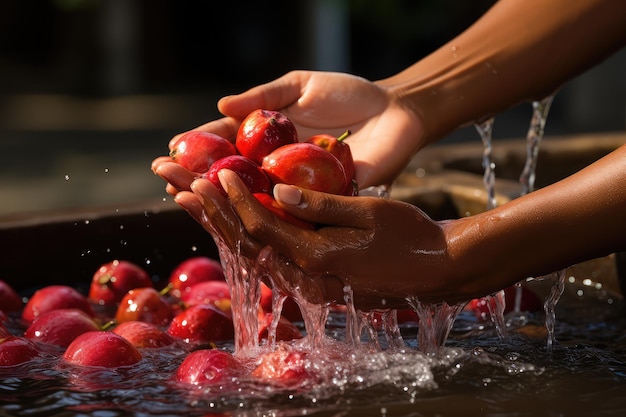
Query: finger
x,y
225,127
158,161
189,201
221,221
322,208
275,95
178,177
261,223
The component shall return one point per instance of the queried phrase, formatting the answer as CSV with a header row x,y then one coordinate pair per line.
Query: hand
x,y
205,203
385,250
385,134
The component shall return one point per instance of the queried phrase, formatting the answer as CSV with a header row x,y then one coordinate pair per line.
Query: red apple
x,y
308,166
142,334
283,367
202,323
262,131
54,297
291,309
103,349
9,299
216,293
249,171
270,203
144,304
209,366
341,150
196,151
285,330
15,350
192,271
114,279
4,332
60,327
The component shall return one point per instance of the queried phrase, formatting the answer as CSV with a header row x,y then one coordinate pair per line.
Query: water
x,y
475,374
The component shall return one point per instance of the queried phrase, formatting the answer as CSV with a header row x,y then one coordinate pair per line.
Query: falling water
x,y
550,304
435,323
485,130
496,302
533,140
534,136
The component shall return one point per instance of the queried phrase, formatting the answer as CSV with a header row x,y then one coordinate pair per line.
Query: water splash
x,y
435,323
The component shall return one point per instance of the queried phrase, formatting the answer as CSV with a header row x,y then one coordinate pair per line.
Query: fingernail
x,y
287,194
221,175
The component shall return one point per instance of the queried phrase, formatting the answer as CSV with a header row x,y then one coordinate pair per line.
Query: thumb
x,y
323,208
274,95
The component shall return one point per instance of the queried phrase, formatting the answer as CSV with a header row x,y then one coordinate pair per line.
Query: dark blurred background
x,y
92,90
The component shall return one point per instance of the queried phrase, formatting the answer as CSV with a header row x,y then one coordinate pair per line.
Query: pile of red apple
x,y
267,151
124,314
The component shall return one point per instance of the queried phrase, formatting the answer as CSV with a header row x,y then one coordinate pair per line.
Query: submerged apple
x,y
262,131
103,349
308,166
60,327
192,271
209,366
197,150
53,297
114,279
9,298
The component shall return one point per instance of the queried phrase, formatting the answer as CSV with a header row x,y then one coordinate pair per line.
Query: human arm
x,y
519,50
388,250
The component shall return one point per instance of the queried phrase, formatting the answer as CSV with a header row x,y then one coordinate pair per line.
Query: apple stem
x,y
344,135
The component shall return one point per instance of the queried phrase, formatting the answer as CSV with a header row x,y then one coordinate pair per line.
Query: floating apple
x,y
283,367
103,349
270,203
192,271
216,293
291,309
114,279
144,304
9,299
197,150
308,166
202,323
255,179
262,131
209,366
143,335
341,150
15,350
54,297
60,327
285,329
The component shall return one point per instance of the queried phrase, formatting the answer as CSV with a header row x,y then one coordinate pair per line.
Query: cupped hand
x,y
385,250
384,133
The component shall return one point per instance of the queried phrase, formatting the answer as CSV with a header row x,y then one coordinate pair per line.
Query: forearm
x,y
519,50
578,218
